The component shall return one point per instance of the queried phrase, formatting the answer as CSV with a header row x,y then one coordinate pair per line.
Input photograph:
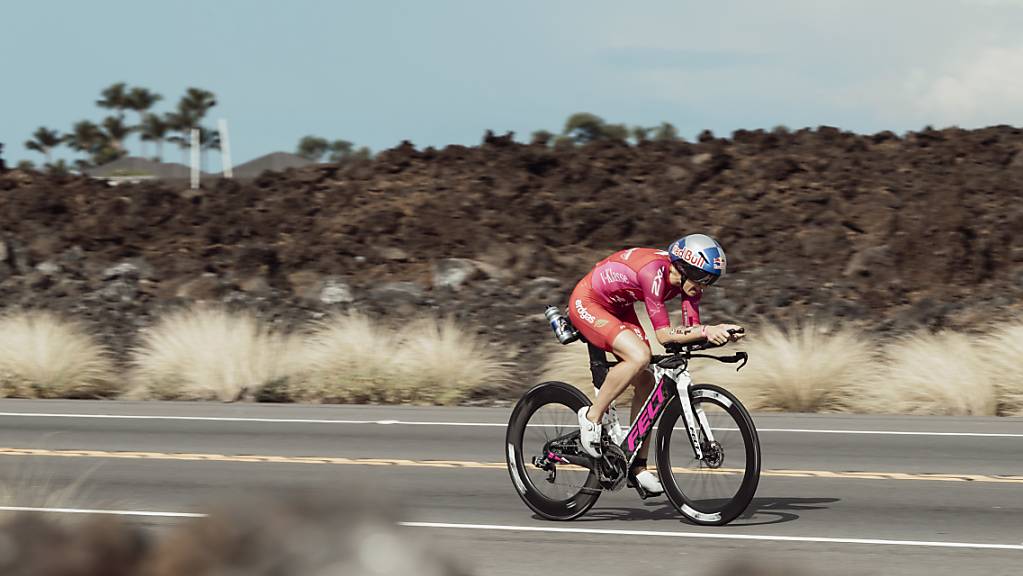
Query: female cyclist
x,y
601,308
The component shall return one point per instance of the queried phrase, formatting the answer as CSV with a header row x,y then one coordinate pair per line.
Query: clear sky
x,y
438,72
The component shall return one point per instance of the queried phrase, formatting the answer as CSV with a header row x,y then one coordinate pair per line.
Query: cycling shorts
x,y
601,324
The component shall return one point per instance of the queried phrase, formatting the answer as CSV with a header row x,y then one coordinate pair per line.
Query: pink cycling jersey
x,y
641,274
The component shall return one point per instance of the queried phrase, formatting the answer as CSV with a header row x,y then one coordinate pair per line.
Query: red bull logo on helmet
x,y
689,255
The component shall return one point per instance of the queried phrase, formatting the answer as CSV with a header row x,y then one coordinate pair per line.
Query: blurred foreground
x,y
296,535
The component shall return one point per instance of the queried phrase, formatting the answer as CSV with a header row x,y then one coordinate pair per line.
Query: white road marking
x,y
718,535
892,432
109,512
591,531
471,424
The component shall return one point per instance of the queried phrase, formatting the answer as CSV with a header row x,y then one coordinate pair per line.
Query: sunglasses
x,y
697,276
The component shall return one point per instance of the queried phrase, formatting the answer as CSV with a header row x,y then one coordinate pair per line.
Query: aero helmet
x,y
699,258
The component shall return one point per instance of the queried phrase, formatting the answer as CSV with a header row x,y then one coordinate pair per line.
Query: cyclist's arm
x,y
653,279
680,335
691,330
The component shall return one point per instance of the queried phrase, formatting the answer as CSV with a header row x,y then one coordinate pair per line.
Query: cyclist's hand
x,y
718,334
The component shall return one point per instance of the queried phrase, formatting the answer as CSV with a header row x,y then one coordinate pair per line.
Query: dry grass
x,y
942,373
44,356
804,368
209,354
442,364
428,361
345,359
1003,357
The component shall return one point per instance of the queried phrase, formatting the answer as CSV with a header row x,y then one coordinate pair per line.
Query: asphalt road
x,y
839,494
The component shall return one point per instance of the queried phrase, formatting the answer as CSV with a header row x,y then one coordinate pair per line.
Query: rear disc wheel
x,y
545,422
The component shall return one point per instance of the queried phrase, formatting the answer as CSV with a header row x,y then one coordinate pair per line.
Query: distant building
x,y
275,162
136,169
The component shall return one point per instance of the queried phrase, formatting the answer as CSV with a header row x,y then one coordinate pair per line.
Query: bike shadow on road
x,y
761,511
776,510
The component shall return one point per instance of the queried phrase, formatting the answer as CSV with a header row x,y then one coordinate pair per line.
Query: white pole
x,y
195,158
225,149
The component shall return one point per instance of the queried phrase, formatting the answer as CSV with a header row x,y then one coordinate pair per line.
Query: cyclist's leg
x,y
634,353
644,383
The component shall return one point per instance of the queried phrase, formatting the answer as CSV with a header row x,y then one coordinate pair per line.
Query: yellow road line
x,y
205,457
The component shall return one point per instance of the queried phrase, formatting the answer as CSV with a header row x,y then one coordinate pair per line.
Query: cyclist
x,y
601,309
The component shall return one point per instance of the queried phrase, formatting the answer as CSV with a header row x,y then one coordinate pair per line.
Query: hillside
x,y
896,233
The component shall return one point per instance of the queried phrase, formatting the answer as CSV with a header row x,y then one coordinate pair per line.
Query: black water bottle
x,y
563,329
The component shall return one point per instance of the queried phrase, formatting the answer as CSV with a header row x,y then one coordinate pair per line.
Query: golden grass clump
x,y
442,364
1003,358
804,368
428,361
44,356
943,373
209,354
347,358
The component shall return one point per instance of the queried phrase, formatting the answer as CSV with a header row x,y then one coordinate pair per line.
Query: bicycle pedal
x,y
643,494
631,482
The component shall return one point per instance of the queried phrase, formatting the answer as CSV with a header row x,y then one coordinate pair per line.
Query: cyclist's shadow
x,y
761,511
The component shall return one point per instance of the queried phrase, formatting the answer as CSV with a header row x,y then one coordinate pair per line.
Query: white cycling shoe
x,y
649,482
589,434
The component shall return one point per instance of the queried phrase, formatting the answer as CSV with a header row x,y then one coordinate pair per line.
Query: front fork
x,y
695,418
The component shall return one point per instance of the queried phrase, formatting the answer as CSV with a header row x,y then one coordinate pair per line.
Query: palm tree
x,y
197,102
117,131
141,100
154,129
208,140
192,107
181,125
44,140
114,98
87,137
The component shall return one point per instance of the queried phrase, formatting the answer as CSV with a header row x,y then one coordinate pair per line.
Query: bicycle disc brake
x,y
713,454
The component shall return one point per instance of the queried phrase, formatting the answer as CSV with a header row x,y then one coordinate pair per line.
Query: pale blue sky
x,y
439,72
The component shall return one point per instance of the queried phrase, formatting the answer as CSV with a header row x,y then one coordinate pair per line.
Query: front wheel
x,y
542,433
717,488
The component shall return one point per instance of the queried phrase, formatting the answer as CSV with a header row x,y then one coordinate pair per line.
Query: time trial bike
x,y
707,449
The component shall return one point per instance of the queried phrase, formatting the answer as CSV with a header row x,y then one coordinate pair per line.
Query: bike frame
x,y
667,388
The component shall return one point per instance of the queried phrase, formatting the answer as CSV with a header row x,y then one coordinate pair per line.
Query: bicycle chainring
x,y
612,468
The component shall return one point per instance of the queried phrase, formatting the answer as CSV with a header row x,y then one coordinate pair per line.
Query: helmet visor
x,y
695,274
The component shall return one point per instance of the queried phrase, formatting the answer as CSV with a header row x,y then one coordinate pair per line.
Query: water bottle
x,y
560,325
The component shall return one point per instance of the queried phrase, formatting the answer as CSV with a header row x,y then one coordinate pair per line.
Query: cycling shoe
x,y
589,434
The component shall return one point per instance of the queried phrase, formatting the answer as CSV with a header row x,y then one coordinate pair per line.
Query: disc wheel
x,y
717,488
543,422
